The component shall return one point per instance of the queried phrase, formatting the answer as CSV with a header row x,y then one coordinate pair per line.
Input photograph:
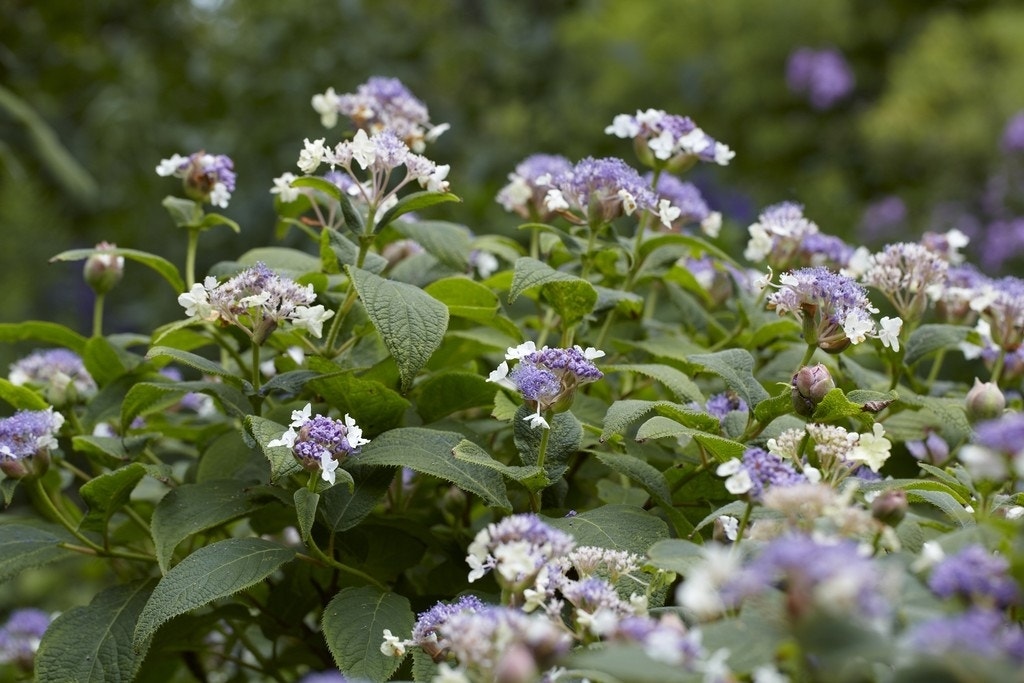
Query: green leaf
x,y
411,322
736,368
50,333
618,527
675,555
430,452
785,328
215,571
652,481
21,398
621,414
336,250
305,510
662,427
184,212
564,439
449,243
112,449
197,362
414,202
776,406
530,476
374,406
450,392
212,220
164,268
943,501
104,361
342,508
108,493
678,382
354,624
27,547
284,260
93,644
624,663
696,245
191,508
319,184
145,398
571,296
929,338
465,298
282,461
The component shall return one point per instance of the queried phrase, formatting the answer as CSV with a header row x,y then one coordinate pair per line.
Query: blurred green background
x,y
93,95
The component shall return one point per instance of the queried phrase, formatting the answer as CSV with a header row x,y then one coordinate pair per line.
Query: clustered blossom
x,y
321,443
59,373
257,300
601,190
784,237
976,575
548,377
1013,134
20,636
720,405
529,184
756,471
982,632
833,576
822,75
378,156
28,433
671,139
516,548
997,449
904,272
381,104
688,200
835,309
207,177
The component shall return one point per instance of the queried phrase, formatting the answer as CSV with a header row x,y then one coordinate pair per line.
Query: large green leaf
x,y
21,398
449,243
354,624
929,338
210,573
675,555
662,427
151,397
41,331
342,508
619,527
736,368
652,481
448,392
531,476
374,406
677,381
621,414
167,270
415,202
191,508
108,493
282,462
564,439
93,644
572,297
411,322
465,298
430,452
26,547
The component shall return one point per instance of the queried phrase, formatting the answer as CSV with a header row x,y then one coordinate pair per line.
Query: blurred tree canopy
x,y
94,94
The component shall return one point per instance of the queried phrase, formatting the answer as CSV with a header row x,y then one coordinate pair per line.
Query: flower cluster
x,y
381,104
59,373
596,191
28,433
905,272
784,237
756,471
207,177
822,75
529,184
669,140
977,576
321,443
997,449
257,300
516,548
689,201
835,309
548,378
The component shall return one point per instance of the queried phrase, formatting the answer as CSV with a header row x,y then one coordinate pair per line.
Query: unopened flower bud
x,y
890,507
516,666
984,401
810,385
104,269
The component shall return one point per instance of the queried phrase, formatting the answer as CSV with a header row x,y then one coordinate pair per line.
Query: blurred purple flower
x,y
1013,134
822,75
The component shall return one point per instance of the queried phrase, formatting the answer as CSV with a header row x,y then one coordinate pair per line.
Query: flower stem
x,y
97,315
811,348
744,521
256,399
542,449
190,258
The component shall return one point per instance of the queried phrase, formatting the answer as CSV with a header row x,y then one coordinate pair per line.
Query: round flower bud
x,y
984,401
516,666
104,269
890,507
810,384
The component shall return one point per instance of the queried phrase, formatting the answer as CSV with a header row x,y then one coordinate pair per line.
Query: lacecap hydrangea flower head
x,y
321,443
257,300
669,141
207,178
26,439
547,378
59,373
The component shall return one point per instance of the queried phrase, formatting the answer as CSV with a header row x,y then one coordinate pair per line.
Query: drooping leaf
x,y
195,361
354,624
452,391
665,428
149,397
93,644
342,508
26,547
415,202
21,398
932,337
108,493
430,452
191,508
42,331
564,439
411,322
652,481
305,510
736,368
449,243
571,296
621,414
214,571
531,476
678,382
